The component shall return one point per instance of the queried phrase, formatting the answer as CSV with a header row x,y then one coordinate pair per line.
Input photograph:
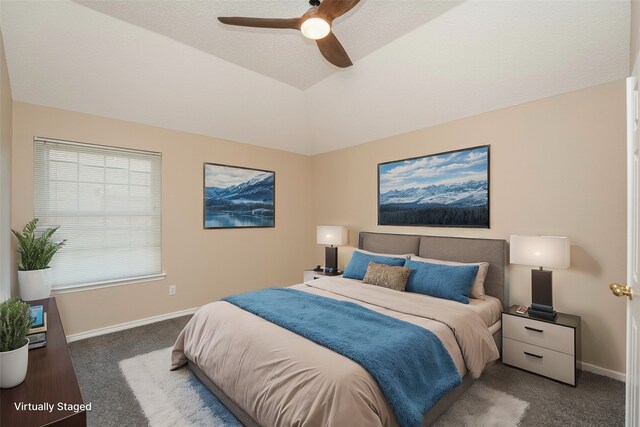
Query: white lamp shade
x,y
332,235
542,251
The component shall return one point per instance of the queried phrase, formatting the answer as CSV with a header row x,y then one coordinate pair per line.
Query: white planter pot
x,y
13,366
34,284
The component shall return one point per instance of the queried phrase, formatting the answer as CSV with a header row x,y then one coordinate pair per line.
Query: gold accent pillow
x,y
387,276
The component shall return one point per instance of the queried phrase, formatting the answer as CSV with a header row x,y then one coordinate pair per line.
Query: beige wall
x,y
204,264
6,254
557,168
634,33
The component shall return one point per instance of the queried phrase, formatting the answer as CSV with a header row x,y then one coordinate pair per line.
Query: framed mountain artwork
x,y
440,190
237,197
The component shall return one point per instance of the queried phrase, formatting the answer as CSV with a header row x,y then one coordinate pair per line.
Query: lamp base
x,y
542,311
331,259
541,288
541,295
542,314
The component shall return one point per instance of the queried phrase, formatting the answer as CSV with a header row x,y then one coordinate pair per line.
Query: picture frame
x,y
447,189
237,197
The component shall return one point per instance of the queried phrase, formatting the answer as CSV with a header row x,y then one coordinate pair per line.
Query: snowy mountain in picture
x,y
471,193
259,188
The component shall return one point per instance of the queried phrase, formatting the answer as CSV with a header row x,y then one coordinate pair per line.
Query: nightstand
x,y
313,275
545,347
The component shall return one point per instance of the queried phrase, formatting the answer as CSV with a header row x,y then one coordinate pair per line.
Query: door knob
x,y
621,290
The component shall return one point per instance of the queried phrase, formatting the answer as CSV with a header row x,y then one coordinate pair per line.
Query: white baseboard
x,y
129,325
620,376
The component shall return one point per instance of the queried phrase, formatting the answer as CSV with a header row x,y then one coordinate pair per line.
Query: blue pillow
x,y
357,267
452,282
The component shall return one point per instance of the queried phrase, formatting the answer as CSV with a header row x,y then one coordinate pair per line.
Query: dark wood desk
x,y
50,379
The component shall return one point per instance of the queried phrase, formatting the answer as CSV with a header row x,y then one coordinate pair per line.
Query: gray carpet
x,y
597,401
101,380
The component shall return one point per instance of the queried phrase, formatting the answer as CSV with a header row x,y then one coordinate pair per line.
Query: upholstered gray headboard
x,y
461,249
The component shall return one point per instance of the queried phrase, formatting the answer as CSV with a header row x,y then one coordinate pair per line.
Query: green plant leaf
x,y
36,252
15,323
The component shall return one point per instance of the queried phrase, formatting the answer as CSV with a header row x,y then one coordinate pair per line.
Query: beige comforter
x,y
282,379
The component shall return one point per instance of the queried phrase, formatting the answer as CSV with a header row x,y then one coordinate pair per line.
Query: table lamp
x,y
333,235
542,251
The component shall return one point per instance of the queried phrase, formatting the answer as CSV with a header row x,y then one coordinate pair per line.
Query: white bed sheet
x,y
495,327
488,309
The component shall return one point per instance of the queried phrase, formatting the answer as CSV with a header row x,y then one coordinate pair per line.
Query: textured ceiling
x,y
416,64
284,55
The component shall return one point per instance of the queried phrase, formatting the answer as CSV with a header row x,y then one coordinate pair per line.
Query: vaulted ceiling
x,y
417,63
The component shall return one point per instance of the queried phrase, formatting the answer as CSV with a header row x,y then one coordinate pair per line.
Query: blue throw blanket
x,y
409,363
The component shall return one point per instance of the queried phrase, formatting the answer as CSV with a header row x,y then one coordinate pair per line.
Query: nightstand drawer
x,y
542,334
549,363
310,275
314,275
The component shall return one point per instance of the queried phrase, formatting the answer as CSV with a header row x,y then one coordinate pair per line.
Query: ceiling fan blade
x,y
333,51
331,9
287,23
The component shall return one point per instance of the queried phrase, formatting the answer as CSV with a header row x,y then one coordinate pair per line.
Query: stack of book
x,y
37,336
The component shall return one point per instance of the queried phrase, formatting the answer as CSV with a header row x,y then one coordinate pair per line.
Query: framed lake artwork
x,y
448,189
238,197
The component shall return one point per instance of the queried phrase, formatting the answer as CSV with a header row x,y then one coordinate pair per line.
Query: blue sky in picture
x,y
227,176
443,169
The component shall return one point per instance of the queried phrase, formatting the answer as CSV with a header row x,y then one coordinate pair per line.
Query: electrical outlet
x,y
172,290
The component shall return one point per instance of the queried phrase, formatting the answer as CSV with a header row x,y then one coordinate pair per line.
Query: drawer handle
x,y
533,329
534,355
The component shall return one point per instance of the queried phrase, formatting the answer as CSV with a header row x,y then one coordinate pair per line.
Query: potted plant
x,y
15,322
34,274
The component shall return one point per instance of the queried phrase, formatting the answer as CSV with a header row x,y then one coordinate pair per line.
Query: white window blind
x,y
107,202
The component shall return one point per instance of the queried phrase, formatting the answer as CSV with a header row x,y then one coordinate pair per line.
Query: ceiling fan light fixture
x,y
315,28
315,24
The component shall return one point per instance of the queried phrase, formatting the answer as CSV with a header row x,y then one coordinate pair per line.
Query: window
x,y
107,202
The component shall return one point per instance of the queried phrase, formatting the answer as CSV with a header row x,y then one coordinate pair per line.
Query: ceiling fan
x,y
315,24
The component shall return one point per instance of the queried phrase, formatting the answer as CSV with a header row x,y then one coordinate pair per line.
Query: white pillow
x,y
405,256
477,289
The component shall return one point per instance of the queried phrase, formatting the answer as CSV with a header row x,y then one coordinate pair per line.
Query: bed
x,y
294,381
